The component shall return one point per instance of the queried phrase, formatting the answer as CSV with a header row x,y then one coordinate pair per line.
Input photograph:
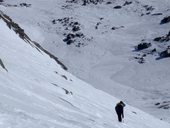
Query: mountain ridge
x,y
22,35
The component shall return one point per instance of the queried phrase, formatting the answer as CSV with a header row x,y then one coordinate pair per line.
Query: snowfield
x,y
36,92
97,44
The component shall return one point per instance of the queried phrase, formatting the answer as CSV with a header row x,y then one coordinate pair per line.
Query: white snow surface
x,y
33,95
106,60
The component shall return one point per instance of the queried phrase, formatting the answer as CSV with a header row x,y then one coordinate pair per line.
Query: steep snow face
x,y
97,43
36,92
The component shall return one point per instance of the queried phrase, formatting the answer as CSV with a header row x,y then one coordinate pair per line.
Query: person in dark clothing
x,y
119,110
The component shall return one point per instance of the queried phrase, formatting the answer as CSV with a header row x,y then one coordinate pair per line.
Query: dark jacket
x,y
119,108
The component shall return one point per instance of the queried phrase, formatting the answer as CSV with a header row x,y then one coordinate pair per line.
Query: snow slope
x,y
105,57
37,92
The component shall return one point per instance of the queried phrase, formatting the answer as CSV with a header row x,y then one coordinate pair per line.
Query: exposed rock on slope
x,y
2,65
22,35
165,20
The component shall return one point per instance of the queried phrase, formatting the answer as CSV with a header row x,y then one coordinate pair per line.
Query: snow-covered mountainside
x,y
36,92
118,46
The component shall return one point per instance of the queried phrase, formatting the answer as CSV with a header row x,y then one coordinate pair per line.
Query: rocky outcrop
x,y
165,20
142,46
165,53
2,65
165,38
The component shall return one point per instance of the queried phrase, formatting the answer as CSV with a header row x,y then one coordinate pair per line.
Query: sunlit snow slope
x,y
35,92
102,51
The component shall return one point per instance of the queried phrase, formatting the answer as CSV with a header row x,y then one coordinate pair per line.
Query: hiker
x,y
119,110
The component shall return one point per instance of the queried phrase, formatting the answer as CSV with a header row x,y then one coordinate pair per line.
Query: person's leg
x,y
119,118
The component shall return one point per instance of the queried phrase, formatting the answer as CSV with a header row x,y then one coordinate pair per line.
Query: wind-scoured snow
x,y
103,51
37,92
